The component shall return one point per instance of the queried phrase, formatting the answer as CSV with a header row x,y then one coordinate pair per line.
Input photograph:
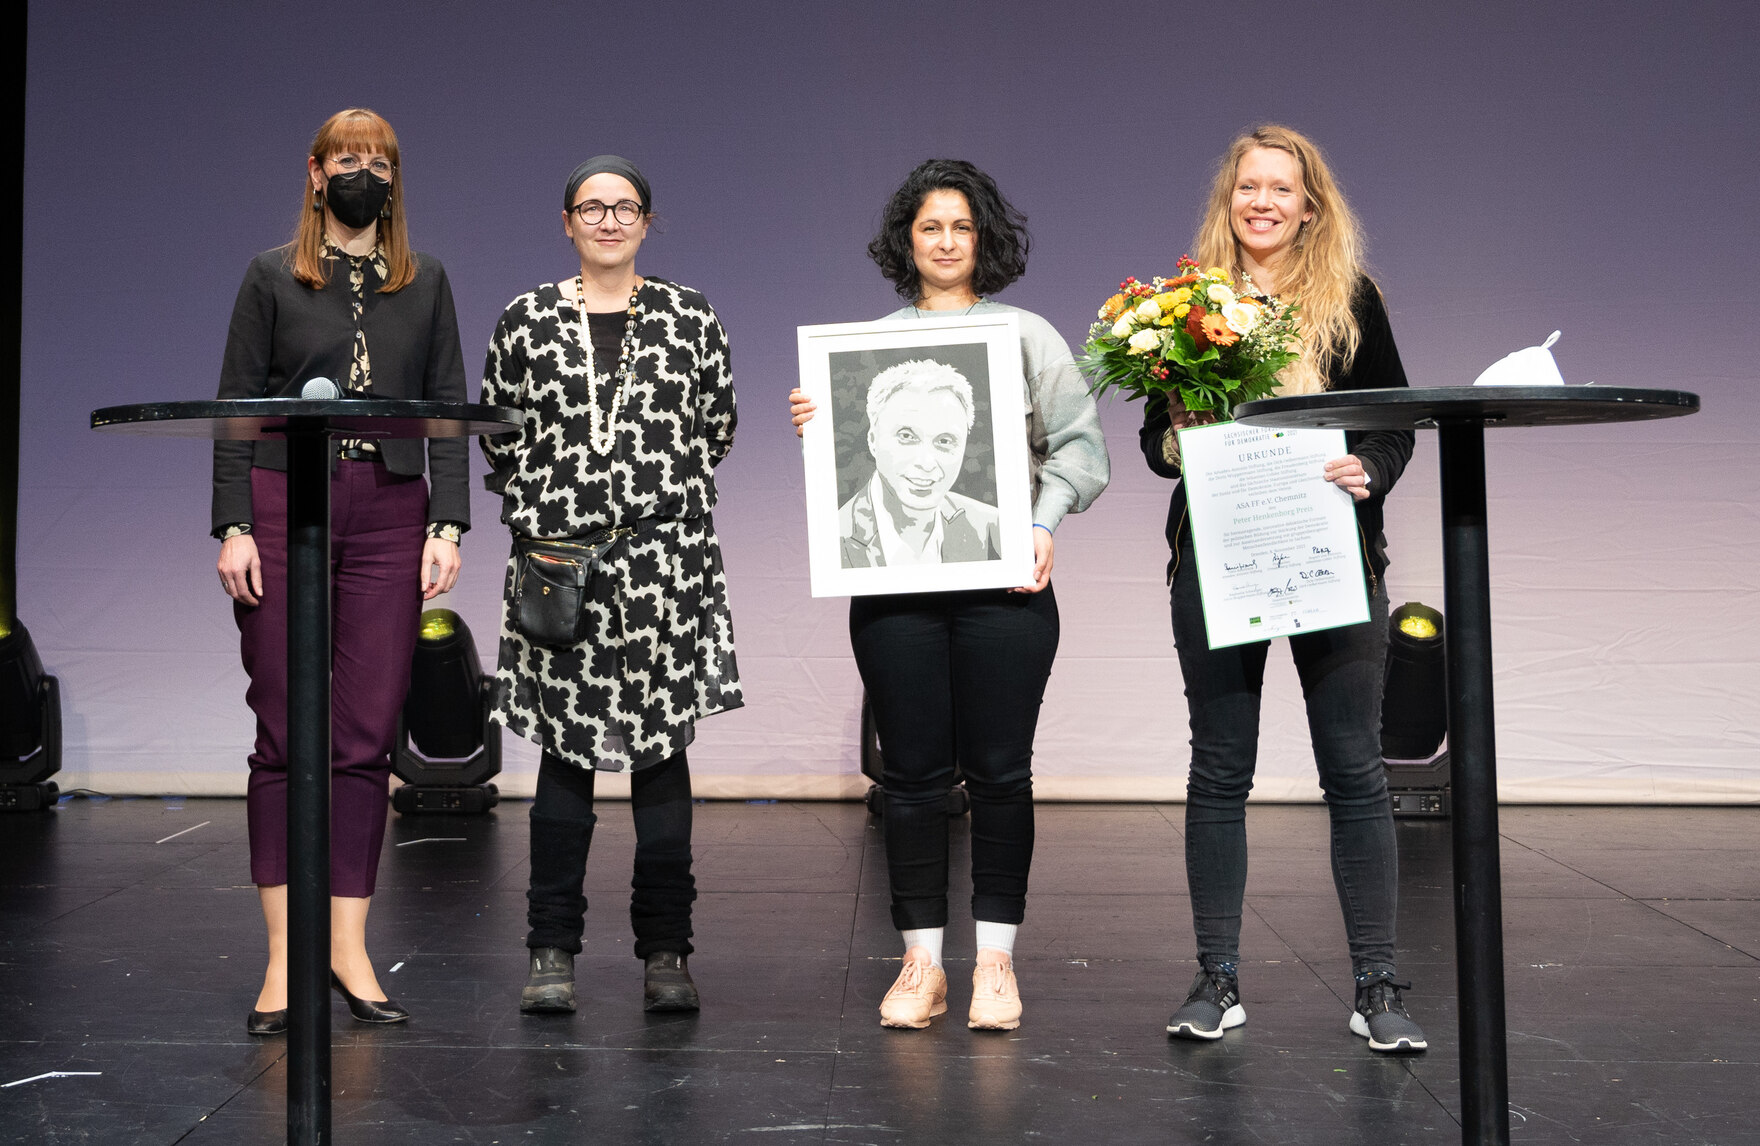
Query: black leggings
x,y
663,888
956,677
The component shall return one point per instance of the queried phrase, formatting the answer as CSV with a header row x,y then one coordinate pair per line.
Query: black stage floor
x,y
130,945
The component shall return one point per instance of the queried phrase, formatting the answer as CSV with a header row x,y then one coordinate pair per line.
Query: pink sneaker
x,y
919,994
996,998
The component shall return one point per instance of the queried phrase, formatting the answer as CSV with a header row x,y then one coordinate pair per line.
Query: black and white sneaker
x,y
1212,1006
1381,1016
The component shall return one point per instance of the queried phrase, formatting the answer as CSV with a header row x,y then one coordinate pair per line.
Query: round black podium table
x,y
308,426
258,419
1461,414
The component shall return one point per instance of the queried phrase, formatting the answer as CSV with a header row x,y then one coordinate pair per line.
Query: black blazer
x,y
284,334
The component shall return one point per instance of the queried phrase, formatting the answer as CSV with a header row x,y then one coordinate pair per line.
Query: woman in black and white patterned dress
x,y
628,407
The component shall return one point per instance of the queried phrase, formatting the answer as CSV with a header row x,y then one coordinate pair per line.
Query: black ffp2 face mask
x,y
356,198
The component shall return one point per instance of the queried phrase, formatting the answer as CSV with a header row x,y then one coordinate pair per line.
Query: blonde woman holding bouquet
x,y
959,676
1278,221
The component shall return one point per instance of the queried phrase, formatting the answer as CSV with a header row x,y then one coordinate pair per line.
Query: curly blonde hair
x,y
1321,269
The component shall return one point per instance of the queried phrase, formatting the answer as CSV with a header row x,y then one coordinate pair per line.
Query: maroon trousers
x,y
377,526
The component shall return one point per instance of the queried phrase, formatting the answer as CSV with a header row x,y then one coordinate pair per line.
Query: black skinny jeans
x,y
956,677
662,889
1342,674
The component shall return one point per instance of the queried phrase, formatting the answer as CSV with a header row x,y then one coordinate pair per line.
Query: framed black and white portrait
x,y
917,457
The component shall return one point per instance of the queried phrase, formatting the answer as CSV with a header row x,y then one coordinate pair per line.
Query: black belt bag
x,y
553,581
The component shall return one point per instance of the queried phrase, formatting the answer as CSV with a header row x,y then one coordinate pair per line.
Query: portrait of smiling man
x,y
920,416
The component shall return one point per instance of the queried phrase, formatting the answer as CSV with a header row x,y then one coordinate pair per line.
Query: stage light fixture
x,y
1414,713
30,725
446,714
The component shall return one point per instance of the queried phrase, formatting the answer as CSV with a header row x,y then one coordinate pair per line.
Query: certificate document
x,y
1277,545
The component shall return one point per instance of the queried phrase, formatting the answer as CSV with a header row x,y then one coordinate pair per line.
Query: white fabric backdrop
x,y
1516,171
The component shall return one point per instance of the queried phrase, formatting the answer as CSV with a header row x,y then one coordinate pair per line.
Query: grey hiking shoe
x,y
1212,1006
1381,1016
550,986
667,984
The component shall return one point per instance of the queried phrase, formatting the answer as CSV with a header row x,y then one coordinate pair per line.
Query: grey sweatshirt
x,y
1065,445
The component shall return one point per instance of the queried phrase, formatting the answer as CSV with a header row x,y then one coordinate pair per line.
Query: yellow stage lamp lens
x,y
1418,627
438,624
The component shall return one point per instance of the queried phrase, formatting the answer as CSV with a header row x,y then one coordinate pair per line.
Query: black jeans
x,y
1342,679
956,677
663,888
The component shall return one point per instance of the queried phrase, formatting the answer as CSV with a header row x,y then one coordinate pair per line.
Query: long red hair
x,y
358,130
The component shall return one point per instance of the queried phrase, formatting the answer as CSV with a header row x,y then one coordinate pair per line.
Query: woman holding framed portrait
x,y
958,677
1278,221
616,636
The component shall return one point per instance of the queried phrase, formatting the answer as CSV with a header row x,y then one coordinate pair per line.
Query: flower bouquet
x,y
1193,338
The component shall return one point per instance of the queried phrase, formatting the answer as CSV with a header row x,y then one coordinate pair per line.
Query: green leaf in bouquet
x,y
1112,368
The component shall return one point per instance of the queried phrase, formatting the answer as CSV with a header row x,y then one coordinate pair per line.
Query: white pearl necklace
x,y
601,436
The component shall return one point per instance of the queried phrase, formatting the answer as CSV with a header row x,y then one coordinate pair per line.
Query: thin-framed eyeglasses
x,y
382,169
591,212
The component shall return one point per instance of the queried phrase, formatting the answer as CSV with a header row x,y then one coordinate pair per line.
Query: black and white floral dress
x,y
658,653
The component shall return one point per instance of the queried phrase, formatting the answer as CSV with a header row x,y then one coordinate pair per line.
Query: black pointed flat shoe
x,y
266,1022
367,1011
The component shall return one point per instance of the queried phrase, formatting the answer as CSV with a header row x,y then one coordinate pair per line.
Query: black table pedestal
x,y
1478,898
308,425
308,786
1460,414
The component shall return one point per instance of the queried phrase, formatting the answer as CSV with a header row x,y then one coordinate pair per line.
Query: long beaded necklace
x,y
601,436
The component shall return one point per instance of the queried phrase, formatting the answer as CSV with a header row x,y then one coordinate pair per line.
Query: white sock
x,y
928,938
998,935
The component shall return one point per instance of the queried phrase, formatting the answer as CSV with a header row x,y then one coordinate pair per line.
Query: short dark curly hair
x,y
1002,230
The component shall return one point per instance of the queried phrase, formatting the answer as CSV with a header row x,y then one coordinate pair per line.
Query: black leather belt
x,y
356,454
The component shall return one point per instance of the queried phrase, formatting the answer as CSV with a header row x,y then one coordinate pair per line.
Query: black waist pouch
x,y
554,580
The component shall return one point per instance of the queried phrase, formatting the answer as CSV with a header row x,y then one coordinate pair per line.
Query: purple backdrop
x,y
1519,168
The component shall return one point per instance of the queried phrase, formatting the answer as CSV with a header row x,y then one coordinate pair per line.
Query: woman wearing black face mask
x,y
349,301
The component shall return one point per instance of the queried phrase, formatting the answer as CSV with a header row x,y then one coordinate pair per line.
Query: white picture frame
x,y
943,523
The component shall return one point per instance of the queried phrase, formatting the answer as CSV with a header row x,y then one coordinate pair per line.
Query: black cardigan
x,y
284,334
1384,453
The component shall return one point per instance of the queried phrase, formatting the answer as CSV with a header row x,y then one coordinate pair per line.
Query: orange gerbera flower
x,y
1183,280
1195,324
1114,307
1217,330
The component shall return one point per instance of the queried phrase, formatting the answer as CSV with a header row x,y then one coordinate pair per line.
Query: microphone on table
x,y
320,389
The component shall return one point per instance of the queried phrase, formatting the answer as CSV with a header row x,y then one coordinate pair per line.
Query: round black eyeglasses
x,y
592,212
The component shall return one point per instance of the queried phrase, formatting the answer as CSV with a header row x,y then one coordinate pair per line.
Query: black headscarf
x,y
608,165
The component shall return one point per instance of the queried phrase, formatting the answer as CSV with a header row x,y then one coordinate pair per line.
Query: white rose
x,y
1221,295
1122,328
1143,341
1241,317
1148,310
